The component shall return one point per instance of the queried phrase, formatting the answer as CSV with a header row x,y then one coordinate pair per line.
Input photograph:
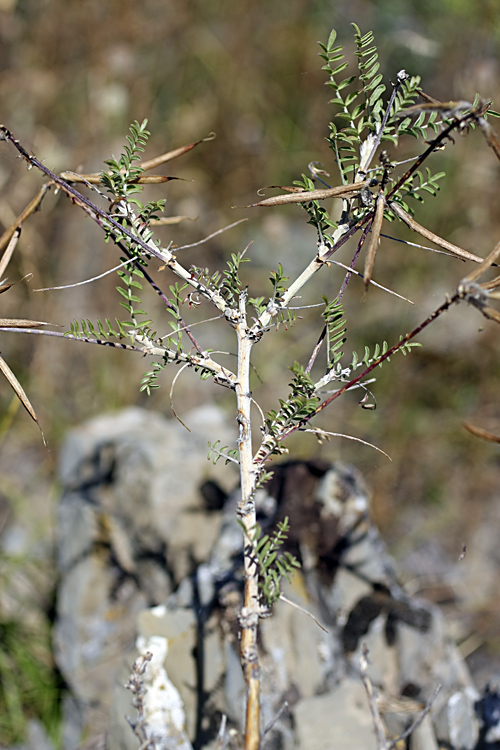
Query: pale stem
x,y
249,617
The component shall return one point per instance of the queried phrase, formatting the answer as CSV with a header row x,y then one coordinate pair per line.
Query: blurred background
x,y
73,75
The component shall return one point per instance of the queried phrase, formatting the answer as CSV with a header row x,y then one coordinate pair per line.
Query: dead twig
x,y
439,241
374,240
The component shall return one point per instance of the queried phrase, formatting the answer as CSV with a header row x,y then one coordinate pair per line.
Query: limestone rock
x,y
131,525
146,563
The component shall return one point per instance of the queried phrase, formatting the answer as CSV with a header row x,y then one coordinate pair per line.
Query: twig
x,y
85,281
324,434
222,375
348,275
305,611
210,236
9,251
373,283
372,700
106,222
282,709
171,396
221,735
479,432
136,687
415,724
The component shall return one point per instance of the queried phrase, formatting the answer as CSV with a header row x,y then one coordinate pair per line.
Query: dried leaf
x,y
9,233
286,188
169,155
95,178
485,264
342,191
374,240
17,388
490,136
21,323
439,241
168,220
480,433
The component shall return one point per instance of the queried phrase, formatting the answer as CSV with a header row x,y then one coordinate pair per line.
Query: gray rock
x,y
339,719
146,566
131,525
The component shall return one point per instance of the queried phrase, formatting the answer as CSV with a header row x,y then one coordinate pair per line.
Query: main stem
x,y
249,618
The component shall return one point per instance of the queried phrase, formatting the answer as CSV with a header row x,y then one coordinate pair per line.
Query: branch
x,y
110,223
222,375
381,739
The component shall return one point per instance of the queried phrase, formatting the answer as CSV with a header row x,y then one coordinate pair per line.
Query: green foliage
x,y
335,331
371,79
129,291
121,180
278,279
345,372
85,329
300,404
318,215
231,284
150,380
364,120
227,283
28,683
273,565
414,186
228,454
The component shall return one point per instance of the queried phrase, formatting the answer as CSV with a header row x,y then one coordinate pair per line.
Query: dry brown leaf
x,y
17,388
32,206
169,155
374,240
21,323
439,241
480,433
342,191
95,178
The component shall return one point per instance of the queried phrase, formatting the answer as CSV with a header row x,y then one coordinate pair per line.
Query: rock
x,y
348,582
339,719
131,525
146,565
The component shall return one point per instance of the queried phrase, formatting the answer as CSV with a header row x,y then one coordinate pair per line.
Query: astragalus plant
x,y
372,188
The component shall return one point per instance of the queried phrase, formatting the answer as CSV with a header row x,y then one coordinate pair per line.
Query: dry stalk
x,y
249,618
374,240
136,687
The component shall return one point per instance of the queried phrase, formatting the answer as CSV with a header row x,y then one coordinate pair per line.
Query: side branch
x,y
109,222
221,374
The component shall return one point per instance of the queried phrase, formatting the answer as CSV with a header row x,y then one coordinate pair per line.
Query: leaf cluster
x,y
364,120
121,179
273,565
300,404
344,372
85,329
228,454
333,315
